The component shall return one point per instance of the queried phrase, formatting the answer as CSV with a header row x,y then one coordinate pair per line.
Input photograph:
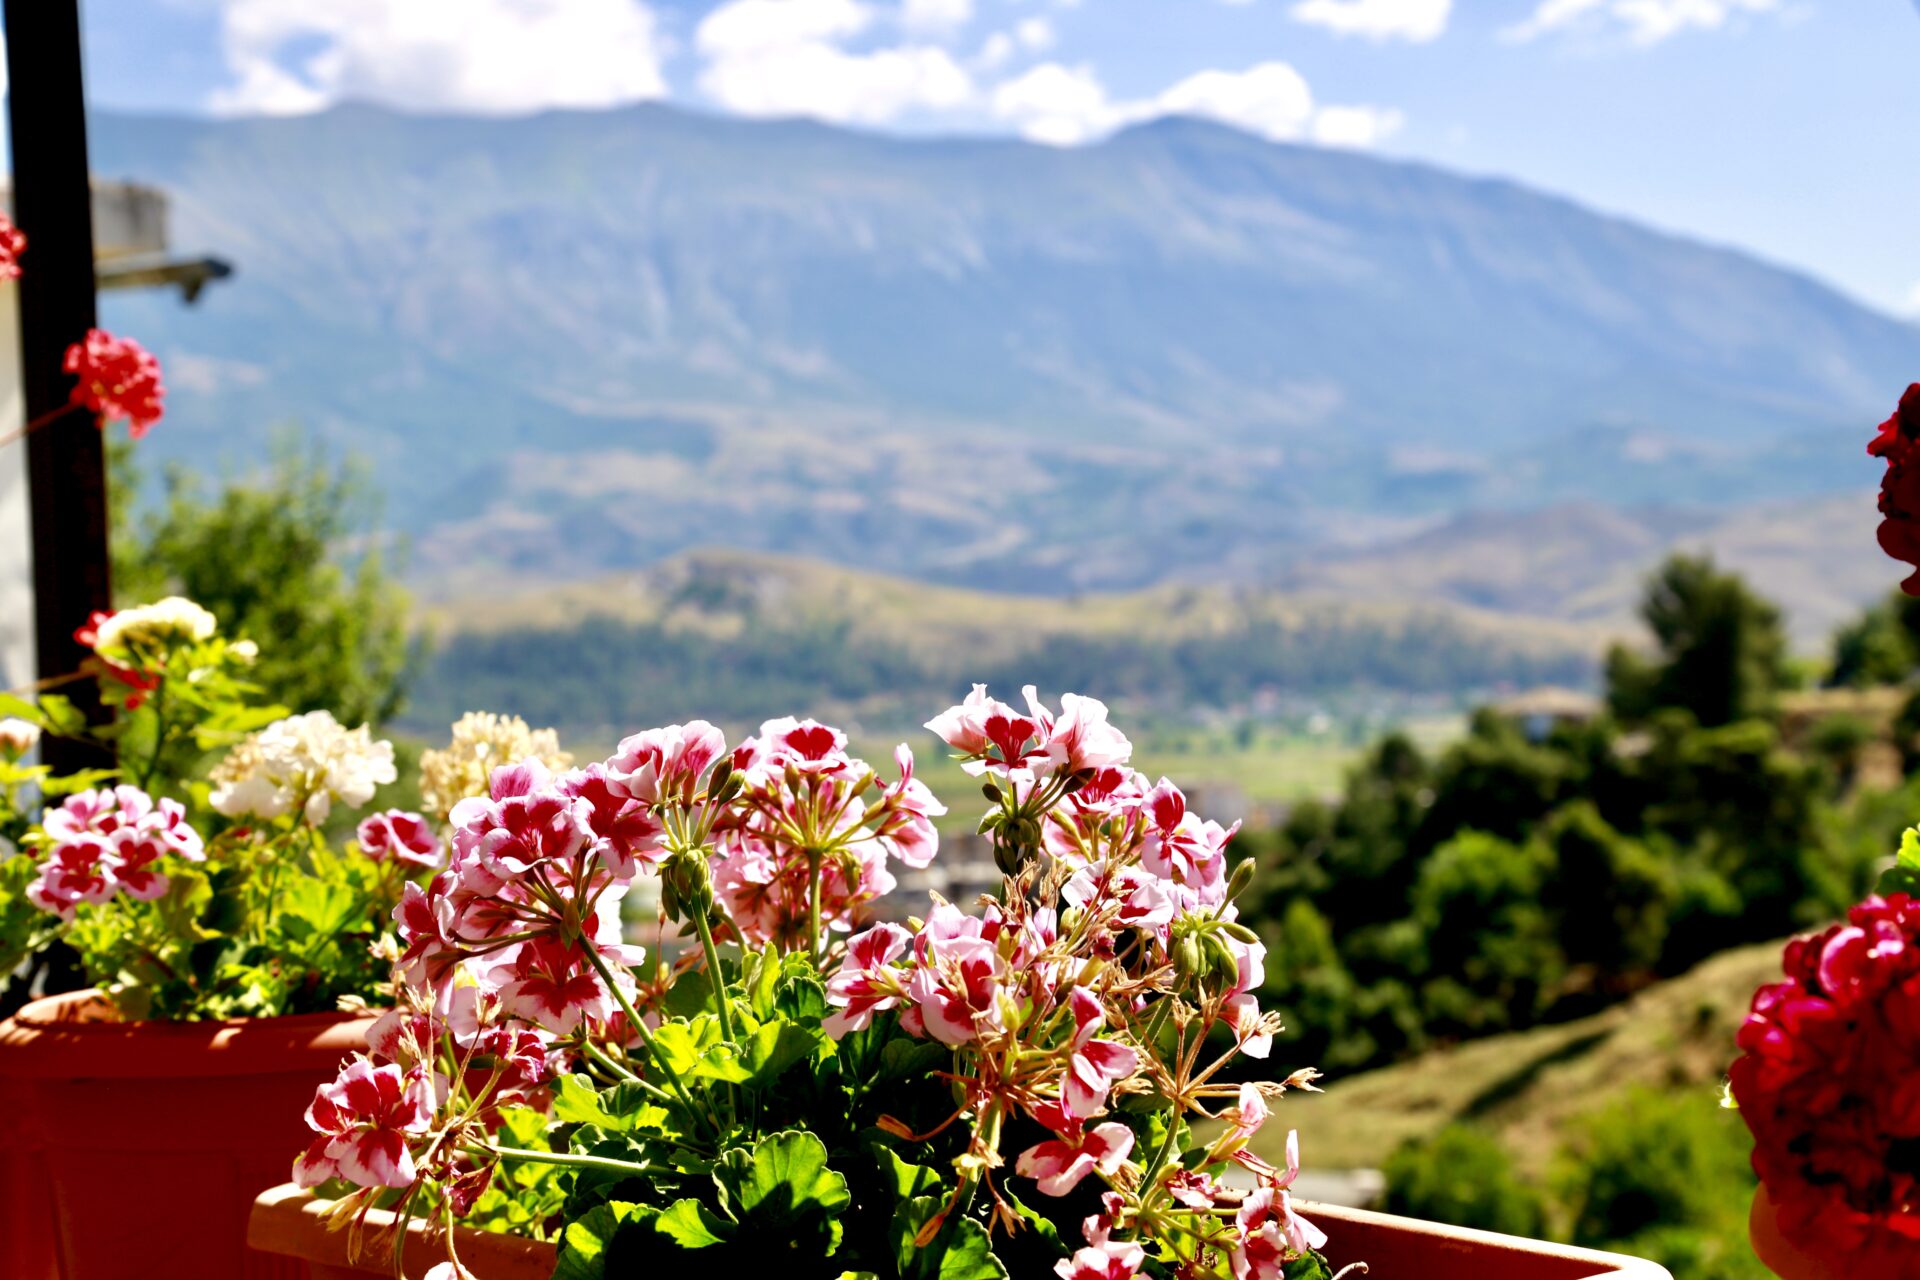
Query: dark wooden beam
x,y
66,460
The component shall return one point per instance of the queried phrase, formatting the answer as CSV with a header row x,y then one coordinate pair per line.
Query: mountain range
x,y
582,342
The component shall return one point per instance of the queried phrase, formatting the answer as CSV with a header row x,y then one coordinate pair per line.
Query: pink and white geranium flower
x,y
868,981
1096,1064
108,841
665,763
364,1120
1058,1164
399,836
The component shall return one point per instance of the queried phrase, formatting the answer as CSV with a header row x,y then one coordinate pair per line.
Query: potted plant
x,y
233,943
1059,1081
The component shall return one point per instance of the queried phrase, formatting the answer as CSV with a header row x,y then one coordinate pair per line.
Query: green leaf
x,y
576,1101
584,1244
1042,1225
904,1059
774,1048
691,1226
11,705
905,1180
690,995
60,717
681,1043
784,1188
760,979
316,908
961,1251
799,994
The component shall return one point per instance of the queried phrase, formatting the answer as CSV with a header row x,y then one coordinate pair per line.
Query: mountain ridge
x,y
578,342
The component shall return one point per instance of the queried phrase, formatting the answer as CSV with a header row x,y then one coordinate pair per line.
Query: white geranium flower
x,y
303,762
149,627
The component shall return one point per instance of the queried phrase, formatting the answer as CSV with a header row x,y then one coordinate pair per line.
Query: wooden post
x,y
66,460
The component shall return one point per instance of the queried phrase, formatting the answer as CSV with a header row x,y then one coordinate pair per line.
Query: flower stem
x,y
619,1069
521,1155
715,978
1166,1149
638,1027
813,905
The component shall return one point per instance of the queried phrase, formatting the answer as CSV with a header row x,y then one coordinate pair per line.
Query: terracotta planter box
x,y
289,1221
133,1151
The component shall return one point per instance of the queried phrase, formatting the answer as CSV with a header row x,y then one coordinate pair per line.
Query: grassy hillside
x,y
1526,1087
736,637
1586,563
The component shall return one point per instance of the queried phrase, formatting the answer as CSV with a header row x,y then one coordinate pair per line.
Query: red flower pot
x,y
135,1149
289,1221
292,1224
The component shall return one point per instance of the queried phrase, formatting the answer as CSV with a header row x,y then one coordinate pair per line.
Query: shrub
x,y
1656,1161
1463,1177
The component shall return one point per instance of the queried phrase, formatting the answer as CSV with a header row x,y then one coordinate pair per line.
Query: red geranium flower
x,y
1826,1083
1900,487
119,378
13,243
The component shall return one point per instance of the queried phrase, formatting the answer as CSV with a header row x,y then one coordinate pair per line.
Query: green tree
x,y
1490,953
289,559
1881,646
1608,895
1463,1177
1721,649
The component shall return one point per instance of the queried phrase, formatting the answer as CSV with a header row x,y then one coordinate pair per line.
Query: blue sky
x,y
1789,127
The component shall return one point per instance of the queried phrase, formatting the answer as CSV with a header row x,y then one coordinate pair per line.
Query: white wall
x,y
16,545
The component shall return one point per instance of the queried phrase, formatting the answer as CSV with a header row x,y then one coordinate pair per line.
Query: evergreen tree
x,y
1721,651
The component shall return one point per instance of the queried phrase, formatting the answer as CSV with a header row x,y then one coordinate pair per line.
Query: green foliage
x,y
1491,952
272,920
1721,649
1881,646
1513,880
1665,1175
290,558
1463,1177
600,673
1608,896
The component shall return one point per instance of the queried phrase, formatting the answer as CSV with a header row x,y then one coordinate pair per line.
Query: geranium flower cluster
x,y
106,842
302,764
1110,980
117,378
480,743
804,849
1897,440
13,243
1826,1084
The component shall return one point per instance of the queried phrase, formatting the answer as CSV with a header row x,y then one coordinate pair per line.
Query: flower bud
x,y
1186,957
991,791
1242,877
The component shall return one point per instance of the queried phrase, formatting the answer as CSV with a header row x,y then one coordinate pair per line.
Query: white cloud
x,y
1034,33
1065,106
460,55
1058,105
995,52
1270,99
761,26
1356,127
1911,306
786,58
1644,22
936,16
1415,20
